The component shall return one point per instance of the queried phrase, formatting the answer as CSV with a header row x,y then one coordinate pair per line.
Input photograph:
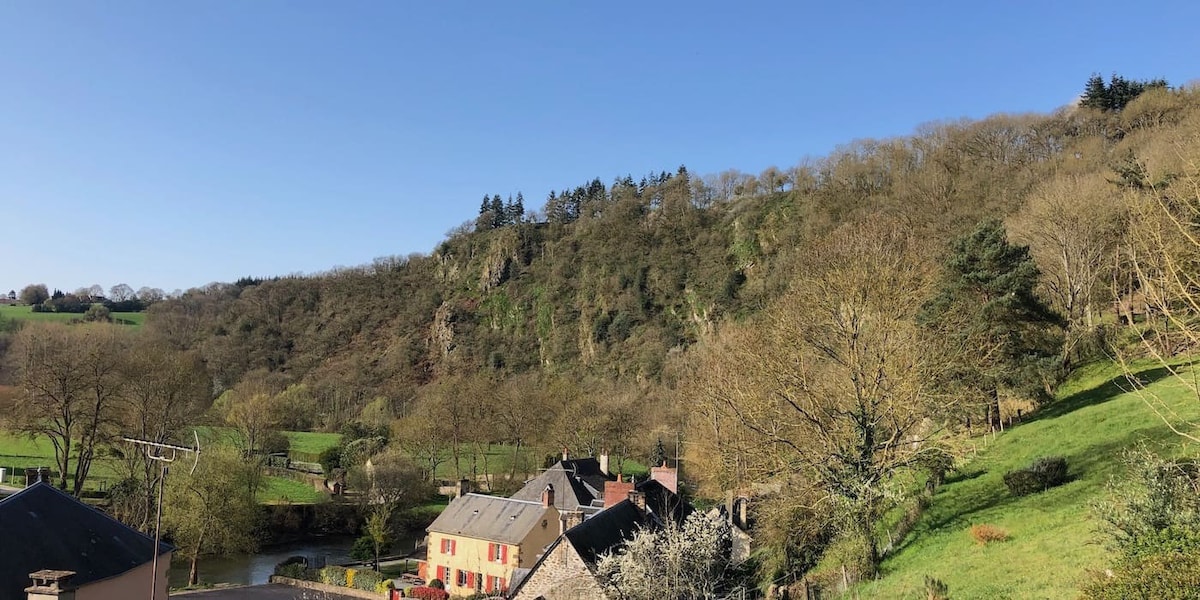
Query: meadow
x,y
1056,537
25,313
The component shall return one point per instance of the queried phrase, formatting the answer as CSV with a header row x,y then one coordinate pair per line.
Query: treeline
x,y
121,298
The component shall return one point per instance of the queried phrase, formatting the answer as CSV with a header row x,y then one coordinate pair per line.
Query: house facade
x,y
477,543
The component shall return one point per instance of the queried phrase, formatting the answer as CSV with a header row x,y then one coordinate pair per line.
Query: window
x,y
448,546
441,574
497,553
462,578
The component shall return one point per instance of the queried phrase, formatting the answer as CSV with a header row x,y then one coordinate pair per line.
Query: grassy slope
x,y
1055,535
26,313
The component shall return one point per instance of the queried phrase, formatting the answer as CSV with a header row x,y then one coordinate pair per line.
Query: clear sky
x,y
171,144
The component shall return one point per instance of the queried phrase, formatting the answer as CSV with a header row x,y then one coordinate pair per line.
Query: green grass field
x,y
1055,536
25,313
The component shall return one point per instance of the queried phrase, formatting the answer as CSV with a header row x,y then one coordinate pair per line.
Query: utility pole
x,y
164,454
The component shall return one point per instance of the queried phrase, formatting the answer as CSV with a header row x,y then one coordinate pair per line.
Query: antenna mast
x,y
164,454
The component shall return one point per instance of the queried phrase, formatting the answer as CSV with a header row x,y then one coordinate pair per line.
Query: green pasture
x,y
1055,535
25,313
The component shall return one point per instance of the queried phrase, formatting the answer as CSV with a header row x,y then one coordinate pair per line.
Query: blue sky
x,y
171,144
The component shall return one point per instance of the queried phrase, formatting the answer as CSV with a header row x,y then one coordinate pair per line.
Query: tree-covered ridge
x,y
612,281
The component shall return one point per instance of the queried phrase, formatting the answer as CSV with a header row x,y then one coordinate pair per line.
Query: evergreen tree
x,y
659,456
987,309
497,208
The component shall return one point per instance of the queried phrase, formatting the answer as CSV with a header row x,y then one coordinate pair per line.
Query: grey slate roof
x,y
577,484
491,518
44,528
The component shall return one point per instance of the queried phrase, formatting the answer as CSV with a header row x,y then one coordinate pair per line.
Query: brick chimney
x,y
616,491
50,585
603,458
548,496
464,488
667,476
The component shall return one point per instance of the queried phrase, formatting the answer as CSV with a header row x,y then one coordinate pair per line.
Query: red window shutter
x,y
504,554
453,547
499,584
441,574
491,551
470,580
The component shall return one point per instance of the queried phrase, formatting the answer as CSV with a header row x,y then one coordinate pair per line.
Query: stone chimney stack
x,y
638,499
50,585
548,496
464,487
667,476
603,458
566,453
569,520
616,491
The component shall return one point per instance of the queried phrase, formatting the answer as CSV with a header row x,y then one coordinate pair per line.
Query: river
x,y
250,569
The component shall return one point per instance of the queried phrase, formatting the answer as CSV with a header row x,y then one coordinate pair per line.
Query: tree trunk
x,y
194,571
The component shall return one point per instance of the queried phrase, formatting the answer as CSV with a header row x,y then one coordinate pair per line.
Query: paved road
x,y
262,592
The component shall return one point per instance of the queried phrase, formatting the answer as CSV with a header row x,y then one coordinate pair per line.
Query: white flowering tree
x,y
677,562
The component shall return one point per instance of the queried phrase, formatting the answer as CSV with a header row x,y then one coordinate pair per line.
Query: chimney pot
x,y
548,496
566,453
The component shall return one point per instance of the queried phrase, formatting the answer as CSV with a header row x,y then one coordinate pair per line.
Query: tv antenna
x,y
164,454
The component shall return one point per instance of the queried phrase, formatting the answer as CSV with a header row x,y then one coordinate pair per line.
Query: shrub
x,y
333,575
1169,576
428,593
295,567
935,589
437,584
1042,474
368,581
984,533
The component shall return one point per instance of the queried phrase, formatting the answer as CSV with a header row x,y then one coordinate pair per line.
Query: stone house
x,y
567,571
52,546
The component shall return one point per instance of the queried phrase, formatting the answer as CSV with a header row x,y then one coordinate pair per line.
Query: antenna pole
x,y
158,451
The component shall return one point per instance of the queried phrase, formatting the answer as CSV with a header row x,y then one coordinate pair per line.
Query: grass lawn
x,y
1055,536
25,313
307,443
281,490
18,452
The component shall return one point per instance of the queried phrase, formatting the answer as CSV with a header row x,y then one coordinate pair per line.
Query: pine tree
x,y
497,208
988,307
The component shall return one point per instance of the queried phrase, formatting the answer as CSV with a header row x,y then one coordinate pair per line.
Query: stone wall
x,y
561,576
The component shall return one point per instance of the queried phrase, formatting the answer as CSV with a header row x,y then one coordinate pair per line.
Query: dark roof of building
x,y
606,530
577,482
491,518
44,528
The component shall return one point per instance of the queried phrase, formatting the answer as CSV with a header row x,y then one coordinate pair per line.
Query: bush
x,y
437,584
293,570
428,592
1169,576
935,589
369,581
1043,474
984,533
332,575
